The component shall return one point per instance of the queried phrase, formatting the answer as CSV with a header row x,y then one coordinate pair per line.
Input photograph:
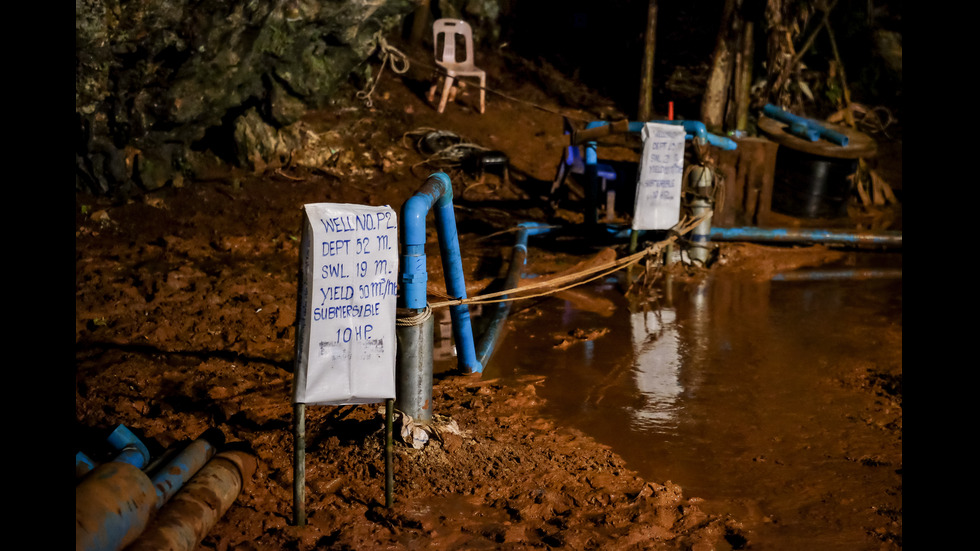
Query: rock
x,y
173,74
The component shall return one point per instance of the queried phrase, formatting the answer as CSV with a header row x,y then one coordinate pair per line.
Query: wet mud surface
x,y
185,312
776,401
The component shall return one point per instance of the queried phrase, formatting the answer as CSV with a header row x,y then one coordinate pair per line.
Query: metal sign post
x,y
345,337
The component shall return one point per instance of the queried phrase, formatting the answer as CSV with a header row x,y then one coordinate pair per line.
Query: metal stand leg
x,y
299,464
389,453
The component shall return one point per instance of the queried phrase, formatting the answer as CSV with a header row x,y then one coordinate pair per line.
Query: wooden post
x,y
743,77
716,93
645,111
420,21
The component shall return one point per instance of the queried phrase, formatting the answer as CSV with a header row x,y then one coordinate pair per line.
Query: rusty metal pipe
x,y
188,517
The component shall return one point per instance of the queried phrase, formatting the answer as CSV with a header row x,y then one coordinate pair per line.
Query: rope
x,y
417,319
597,272
389,56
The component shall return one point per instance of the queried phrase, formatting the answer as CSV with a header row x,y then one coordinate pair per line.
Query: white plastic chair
x,y
456,64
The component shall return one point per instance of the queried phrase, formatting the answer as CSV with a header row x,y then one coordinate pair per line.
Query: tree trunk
x,y
645,110
419,22
716,93
743,77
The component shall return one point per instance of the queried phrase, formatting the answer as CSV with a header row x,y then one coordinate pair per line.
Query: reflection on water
x,y
656,367
733,390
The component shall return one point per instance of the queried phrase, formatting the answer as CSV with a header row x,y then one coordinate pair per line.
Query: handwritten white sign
x,y
658,190
345,339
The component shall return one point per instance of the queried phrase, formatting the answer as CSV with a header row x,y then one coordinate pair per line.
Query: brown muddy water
x,y
751,395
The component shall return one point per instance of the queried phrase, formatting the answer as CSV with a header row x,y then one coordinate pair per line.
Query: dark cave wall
x,y
164,86
154,80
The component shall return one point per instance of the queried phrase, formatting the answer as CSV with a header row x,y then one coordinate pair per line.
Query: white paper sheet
x,y
658,189
345,340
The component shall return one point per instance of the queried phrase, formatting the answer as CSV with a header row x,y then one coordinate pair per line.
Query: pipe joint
x,y
131,449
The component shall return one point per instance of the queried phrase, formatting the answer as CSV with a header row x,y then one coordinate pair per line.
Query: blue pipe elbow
x,y
131,449
533,228
436,191
527,229
697,130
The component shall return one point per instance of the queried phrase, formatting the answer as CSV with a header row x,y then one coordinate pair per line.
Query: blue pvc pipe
x,y
695,130
115,501
801,235
839,274
171,477
803,127
518,258
113,504
83,464
131,449
437,191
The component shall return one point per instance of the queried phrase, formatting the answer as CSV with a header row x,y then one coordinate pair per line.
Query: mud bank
x,y
184,322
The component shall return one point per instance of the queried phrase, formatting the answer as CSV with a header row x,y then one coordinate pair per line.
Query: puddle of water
x,y
733,390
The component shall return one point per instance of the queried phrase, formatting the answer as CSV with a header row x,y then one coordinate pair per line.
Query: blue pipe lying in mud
x,y
186,519
114,502
518,257
172,476
131,449
839,274
802,235
83,464
436,191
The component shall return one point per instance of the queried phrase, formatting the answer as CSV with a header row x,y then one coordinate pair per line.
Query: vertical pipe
x,y
518,258
591,185
452,266
437,191
413,370
299,464
701,181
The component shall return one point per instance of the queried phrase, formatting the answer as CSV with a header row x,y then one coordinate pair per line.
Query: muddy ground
x,y
184,322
